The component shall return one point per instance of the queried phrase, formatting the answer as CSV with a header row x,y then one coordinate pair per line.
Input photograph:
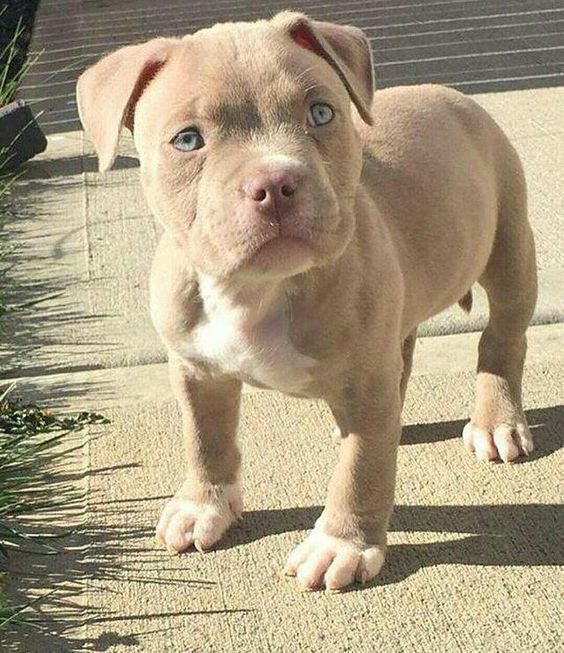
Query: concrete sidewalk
x,y
475,553
475,548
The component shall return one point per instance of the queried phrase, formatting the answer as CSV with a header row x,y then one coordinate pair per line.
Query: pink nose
x,y
271,189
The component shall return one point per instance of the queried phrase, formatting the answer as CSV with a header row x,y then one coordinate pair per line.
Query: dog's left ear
x,y
345,48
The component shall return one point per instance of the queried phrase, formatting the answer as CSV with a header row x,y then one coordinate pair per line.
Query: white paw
x,y
185,522
506,442
324,560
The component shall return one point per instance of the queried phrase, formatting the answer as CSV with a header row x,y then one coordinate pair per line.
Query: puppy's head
x,y
245,136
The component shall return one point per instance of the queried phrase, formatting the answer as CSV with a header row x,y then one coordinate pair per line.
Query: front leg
x,y
210,499
348,542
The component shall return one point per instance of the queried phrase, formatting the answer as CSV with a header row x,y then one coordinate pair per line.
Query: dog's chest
x,y
259,353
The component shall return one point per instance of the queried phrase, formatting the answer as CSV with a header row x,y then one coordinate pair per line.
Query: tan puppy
x,y
305,239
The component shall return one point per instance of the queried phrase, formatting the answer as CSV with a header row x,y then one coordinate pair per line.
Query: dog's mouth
x,y
282,255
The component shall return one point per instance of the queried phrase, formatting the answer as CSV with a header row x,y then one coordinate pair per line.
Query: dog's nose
x,y
271,189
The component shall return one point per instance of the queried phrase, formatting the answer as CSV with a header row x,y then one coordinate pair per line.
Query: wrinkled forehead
x,y
242,75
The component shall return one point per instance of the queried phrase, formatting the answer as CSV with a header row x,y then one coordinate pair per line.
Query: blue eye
x,y
319,114
188,140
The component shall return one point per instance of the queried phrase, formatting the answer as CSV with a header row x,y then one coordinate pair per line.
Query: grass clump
x,y
31,441
32,438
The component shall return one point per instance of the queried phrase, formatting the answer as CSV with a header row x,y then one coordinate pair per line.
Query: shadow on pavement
x,y
499,535
71,166
539,421
34,282
90,558
103,548
45,275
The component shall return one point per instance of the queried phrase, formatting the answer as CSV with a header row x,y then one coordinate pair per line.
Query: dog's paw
x,y
185,522
333,562
506,442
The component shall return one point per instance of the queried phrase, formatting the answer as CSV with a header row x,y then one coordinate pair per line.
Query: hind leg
x,y
498,427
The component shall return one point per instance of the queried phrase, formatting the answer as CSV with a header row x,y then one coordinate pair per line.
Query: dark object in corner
x,y
16,26
20,136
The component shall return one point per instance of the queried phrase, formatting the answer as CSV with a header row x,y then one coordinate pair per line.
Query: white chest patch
x,y
249,338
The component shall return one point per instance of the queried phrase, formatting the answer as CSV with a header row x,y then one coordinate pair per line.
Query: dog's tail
x,y
466,302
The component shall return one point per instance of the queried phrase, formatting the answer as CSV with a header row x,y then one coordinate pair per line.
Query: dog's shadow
x,y
545,424
490,535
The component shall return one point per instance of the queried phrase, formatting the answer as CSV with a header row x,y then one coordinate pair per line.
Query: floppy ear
x,y
344,47
108,91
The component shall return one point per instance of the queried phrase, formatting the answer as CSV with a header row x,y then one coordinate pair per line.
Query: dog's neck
x,y
245,303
